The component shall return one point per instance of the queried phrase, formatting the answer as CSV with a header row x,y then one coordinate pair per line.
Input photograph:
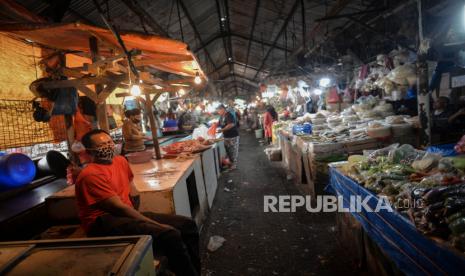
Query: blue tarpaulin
x,y
410,250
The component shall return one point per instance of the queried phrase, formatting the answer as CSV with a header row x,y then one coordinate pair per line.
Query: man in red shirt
x,y
103,191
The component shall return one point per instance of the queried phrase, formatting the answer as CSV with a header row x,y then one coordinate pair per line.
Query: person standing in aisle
x,y
269,117
230,132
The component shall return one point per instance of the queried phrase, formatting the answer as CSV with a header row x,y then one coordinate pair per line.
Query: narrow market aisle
x,y
259,243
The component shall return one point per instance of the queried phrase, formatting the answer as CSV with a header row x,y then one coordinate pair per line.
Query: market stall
x,y
312,141
184,182
411,251
422,230
171,186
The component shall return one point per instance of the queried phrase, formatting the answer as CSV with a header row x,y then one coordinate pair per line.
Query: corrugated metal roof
x,y
212,27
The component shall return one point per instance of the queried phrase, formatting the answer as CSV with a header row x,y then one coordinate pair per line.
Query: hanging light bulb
x,y
197,78
324,82
135,90
317,91
182,92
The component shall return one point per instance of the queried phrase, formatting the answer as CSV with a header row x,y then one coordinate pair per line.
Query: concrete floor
x,y
259,243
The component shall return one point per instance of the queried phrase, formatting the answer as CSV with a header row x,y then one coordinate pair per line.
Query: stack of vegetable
x,y
425,187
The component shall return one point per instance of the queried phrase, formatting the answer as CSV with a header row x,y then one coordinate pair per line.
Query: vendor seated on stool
x,y
132,132
106,208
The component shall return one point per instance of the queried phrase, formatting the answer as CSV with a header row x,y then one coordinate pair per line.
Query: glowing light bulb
x,y
197,78
324,82
182,92
135,90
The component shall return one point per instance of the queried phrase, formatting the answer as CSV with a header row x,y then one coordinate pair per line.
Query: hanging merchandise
x,y
364,70
87,106
65,99
333,96
66,102
262,88
40,114
348,96
403,75
36,88
284,91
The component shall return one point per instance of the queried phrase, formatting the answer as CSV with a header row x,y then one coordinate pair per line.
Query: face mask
x,y
104,154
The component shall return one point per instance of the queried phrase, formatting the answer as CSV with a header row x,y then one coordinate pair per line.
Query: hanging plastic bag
x,y
66,101
212,130
200,133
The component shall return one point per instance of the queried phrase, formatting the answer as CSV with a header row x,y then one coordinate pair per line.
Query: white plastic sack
x,y
201,131
215,242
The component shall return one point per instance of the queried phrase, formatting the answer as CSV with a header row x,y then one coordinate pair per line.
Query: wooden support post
x,y
102,117
153,123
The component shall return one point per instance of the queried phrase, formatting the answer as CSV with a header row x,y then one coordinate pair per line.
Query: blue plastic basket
x,y
302,129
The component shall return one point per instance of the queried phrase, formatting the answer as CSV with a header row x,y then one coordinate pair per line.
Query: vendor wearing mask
x,y
104,191
133,136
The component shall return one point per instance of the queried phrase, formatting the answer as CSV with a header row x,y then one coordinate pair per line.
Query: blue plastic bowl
x,y
16,170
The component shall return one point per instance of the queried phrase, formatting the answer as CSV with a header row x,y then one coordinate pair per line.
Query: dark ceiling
x,y
239,43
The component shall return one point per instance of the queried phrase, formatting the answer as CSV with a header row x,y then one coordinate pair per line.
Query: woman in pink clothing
x,y
268,119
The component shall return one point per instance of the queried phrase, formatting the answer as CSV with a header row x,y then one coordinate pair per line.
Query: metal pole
x,y
423,95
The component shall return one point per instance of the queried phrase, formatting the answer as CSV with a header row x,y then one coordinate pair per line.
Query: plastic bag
x,y
215,243
201,132
212,130
66,101
405,154
403,75
382,152
77,147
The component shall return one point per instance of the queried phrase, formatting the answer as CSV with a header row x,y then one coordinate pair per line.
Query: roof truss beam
x,y
196,31
283,28
254,22
145,17
245,37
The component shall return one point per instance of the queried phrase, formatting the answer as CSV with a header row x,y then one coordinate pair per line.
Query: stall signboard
x,y
458,81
